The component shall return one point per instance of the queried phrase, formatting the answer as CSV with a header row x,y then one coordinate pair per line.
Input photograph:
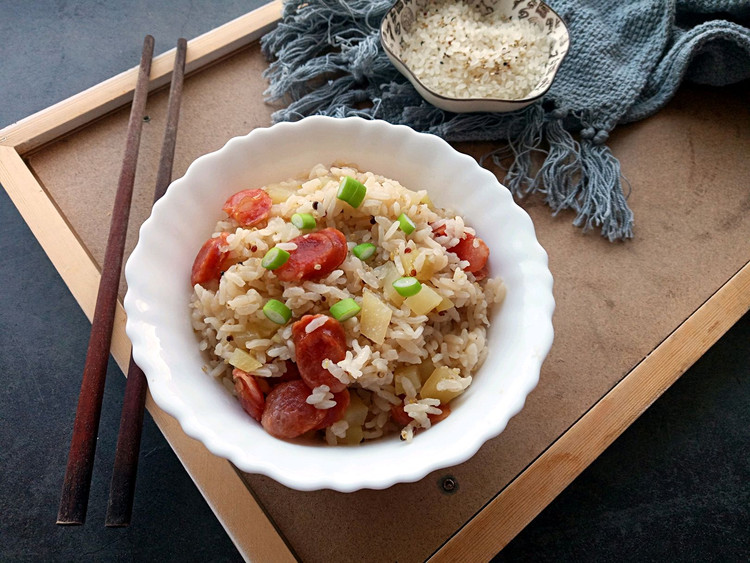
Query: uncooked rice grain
x,y
459,52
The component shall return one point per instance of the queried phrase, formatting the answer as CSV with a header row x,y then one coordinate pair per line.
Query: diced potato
x,y
444,305
390,293
428,266
423,269
407,261
374,317
264,327
356,412
355,415
425,370
244,361
280,192
411,373
354,435
430,390
424,301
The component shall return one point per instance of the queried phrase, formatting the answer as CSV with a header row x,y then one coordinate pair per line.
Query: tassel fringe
x,y
327,59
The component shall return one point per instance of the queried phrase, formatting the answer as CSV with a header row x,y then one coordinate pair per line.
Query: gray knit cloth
x,y
626,60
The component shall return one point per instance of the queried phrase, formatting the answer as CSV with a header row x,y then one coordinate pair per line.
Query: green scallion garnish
x,y
351,191
406,224
303,221
345,309
364,251
274,258
277,312
406,287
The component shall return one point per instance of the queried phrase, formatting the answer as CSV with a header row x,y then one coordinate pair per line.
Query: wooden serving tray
x,y
631,317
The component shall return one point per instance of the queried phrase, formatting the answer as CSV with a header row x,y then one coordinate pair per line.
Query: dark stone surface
x,y
674,486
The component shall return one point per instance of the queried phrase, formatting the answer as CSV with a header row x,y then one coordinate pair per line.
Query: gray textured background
x,y
673,487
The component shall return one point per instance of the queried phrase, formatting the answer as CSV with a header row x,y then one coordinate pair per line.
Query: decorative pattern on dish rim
x,y
159,326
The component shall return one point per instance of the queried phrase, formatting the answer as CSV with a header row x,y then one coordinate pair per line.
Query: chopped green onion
x,y
277,312
274,258
351,191
364,251
303,221
345,309
406,287
406,224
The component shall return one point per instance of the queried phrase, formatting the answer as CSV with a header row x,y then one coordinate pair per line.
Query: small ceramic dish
x,y
166,348
403,22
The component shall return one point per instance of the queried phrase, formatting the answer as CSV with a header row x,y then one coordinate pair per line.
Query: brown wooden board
x,y
616,304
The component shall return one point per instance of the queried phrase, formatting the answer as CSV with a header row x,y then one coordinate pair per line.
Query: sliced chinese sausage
x,y
249,207
481,274
399,415
317,255
291,372
287,413
474,250
435,418
211,261
249,393
327,341
335,413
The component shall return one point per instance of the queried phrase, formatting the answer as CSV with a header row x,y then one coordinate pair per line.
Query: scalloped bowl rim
x,y
162,349
404,69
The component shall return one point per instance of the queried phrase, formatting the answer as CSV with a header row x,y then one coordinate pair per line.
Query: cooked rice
x,y
230,316
321,398
456,50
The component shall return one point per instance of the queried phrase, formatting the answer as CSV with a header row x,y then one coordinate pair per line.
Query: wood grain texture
x,y
127,452
62,118
630,297
239,513
521,501
77,482
216,478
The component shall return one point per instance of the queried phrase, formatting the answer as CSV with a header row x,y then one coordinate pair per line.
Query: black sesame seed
x,y
315,205
372,220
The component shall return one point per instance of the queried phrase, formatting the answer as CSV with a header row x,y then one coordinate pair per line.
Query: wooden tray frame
x,y
255,536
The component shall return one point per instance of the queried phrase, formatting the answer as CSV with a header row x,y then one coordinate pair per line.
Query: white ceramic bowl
x,y
165,347
402,20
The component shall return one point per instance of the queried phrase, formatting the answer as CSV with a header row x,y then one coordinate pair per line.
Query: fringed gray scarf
x,y
626,61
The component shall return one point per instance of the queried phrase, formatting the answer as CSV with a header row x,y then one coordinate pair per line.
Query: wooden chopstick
x,y
122,487
75,492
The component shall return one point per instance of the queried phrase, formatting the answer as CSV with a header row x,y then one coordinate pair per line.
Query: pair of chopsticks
x,y
77,482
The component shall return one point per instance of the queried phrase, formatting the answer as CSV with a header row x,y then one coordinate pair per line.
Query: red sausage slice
x,y
287,414
475,254
326,341
474,250
249,207
481,274
399,416
210,261
335,413
249,393
326,249
291,372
